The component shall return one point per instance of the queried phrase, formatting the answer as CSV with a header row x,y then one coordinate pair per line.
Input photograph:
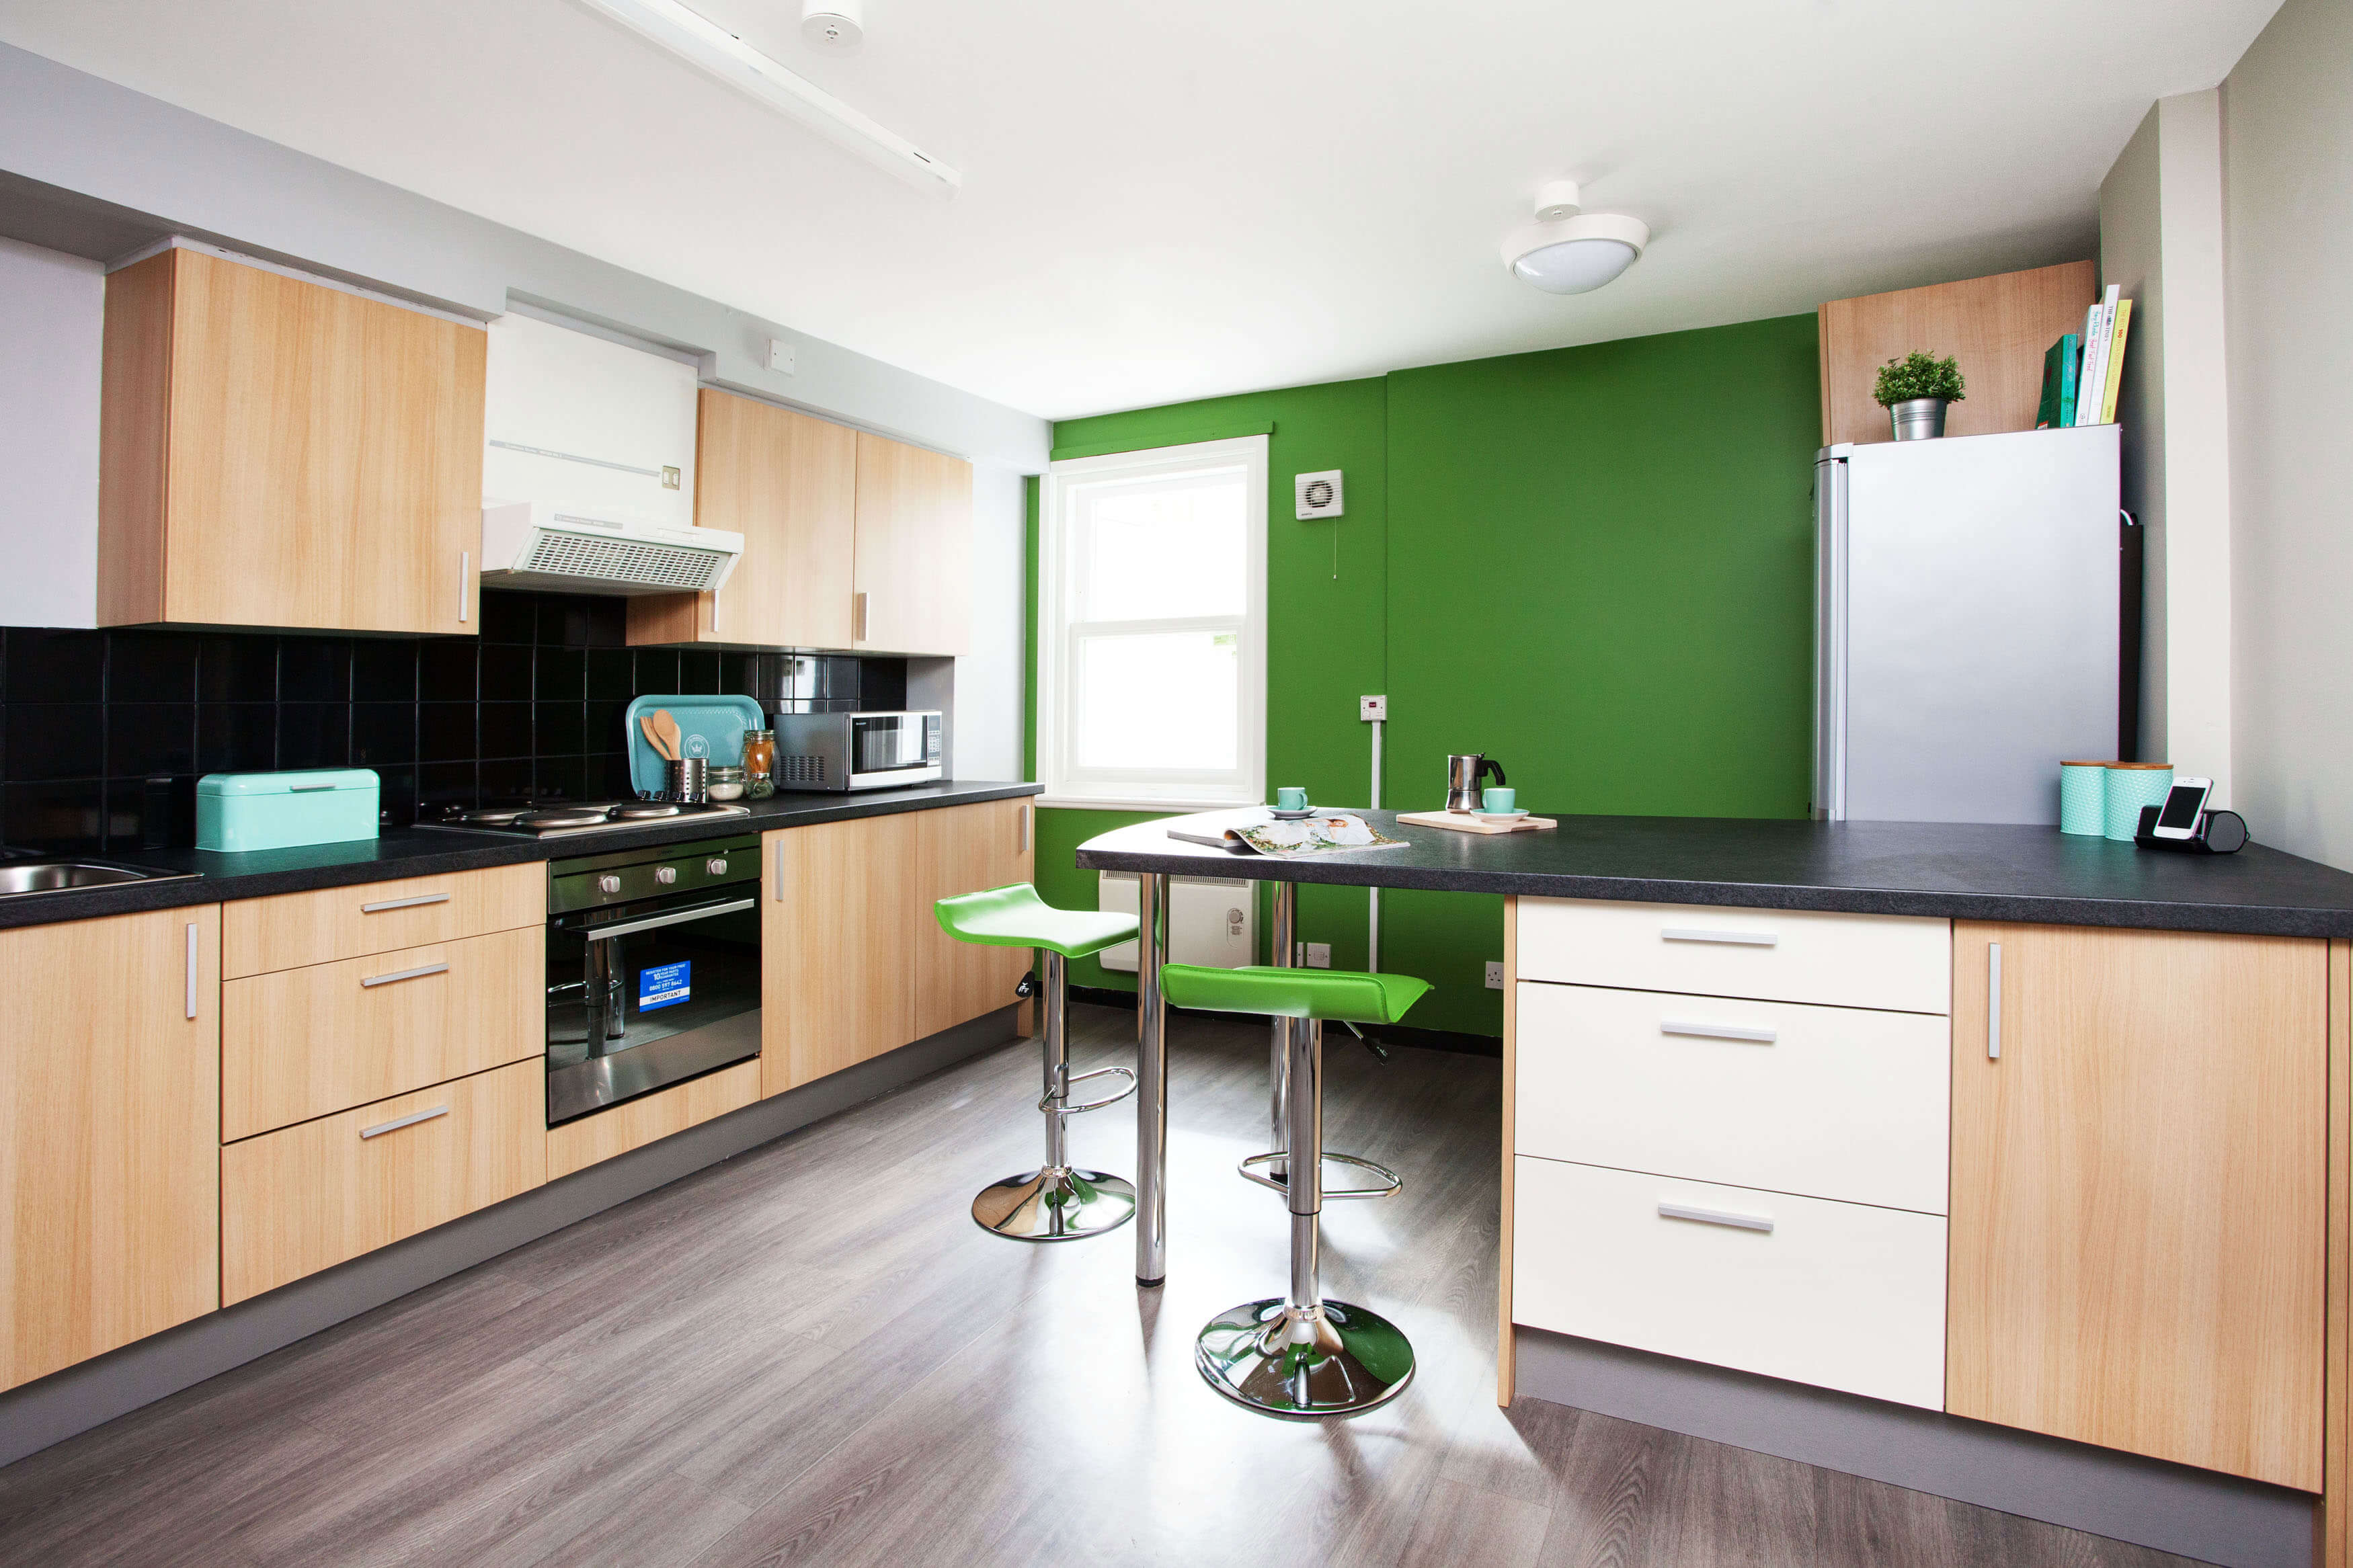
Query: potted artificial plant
x,y
1914,390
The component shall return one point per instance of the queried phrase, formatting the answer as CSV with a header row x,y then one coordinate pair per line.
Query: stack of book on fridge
x,y
2082,371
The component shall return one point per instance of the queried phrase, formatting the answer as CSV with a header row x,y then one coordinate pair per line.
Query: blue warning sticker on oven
x,y
665,985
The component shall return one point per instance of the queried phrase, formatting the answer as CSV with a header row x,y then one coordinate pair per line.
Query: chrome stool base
x,y
1304,1363
1057,1204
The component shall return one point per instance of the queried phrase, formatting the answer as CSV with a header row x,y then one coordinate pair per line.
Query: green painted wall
x,y
1593,564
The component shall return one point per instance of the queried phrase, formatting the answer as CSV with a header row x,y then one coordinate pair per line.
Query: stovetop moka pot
x,y
1465,777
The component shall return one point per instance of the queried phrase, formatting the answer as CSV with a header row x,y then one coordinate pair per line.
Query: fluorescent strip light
x,y
713,50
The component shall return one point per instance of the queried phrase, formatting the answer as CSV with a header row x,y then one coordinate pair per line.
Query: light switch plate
x,y
1495,974
780,356
1319,954
1373,709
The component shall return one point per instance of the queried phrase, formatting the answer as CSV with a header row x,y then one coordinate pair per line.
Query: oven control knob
x,y
608,883
666,875
716,866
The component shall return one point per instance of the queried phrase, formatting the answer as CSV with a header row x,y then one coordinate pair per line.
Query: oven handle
x,y
677,917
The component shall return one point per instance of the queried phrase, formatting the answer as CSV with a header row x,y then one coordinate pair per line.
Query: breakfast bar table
x,y
1973,871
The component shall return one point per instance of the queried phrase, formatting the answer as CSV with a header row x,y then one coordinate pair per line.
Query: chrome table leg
x,y
1151,1081
1287,954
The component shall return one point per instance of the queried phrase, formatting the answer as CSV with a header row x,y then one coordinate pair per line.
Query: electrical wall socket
x,y
1314,955
1495,974
1372,709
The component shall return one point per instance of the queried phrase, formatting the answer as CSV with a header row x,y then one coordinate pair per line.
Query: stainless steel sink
x,y
20,877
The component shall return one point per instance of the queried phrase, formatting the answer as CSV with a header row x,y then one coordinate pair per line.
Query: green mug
x,y
1290,800
1499,800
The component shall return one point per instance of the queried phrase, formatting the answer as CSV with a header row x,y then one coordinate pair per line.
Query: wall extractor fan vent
x,y
1318,495
531,546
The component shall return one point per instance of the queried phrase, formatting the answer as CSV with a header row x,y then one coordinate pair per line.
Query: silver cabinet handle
x,y
1021,831
404,903
702,911
191,972
1719,1031
780,868
1993,1001
1731,1217
397,1123
465,570
417,974
858,625
1732,938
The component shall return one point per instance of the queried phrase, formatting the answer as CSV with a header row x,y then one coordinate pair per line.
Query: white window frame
x,y
1069,785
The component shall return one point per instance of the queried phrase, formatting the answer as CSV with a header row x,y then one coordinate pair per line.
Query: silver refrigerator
x,y
1971,595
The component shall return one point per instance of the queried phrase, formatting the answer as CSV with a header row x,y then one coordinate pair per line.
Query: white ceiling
x,y
1165,200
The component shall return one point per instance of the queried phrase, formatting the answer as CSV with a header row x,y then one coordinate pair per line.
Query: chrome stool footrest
x,y
1392,1184
1046,1102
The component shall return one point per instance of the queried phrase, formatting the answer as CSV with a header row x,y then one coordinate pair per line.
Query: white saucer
x,y
1305,812
1499,815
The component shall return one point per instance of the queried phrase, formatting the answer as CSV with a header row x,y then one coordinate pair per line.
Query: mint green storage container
x,y
237,812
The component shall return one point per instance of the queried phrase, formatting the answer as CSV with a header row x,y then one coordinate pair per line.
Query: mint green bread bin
x,y
239,812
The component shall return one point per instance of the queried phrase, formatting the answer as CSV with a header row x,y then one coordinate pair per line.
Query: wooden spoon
x,y
670,732
654,739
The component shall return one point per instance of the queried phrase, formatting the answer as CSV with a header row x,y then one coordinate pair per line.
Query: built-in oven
x,y
654,970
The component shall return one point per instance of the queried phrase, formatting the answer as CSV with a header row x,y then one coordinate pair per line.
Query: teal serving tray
x,y
708,727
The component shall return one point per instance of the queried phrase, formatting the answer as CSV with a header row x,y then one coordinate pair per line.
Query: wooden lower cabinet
x,y
2138,1207
110,1119
312,1196
963,849
287,931
307,1042
576,1146
856,962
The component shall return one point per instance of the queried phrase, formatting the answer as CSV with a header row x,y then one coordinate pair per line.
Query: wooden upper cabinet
x,y
110,1134
788,484
1999,328
2138,1193
280,453
964,849
914,575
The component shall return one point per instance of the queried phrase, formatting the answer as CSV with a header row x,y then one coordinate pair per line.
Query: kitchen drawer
x,y
312,1196
576,1146
260,935
1842,1296
1898,963
1834,1102
298,1043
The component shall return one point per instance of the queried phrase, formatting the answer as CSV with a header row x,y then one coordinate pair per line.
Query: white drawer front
x,y
1834,1102
1897,963
1840,1296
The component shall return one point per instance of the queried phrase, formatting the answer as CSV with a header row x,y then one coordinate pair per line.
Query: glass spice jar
x,y
725,784
759,763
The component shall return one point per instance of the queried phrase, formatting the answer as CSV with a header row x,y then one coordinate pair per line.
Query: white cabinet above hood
x,y
588,468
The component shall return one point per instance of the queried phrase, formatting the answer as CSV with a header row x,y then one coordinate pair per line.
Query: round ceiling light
x,y
835,25
1569,251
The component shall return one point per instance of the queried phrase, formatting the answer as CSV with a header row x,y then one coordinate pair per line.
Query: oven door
x,y
645,995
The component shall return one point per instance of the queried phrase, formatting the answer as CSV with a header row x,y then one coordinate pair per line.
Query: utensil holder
x,y
688,780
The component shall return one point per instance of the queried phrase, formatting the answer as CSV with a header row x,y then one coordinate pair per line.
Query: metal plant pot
x,y
1917,418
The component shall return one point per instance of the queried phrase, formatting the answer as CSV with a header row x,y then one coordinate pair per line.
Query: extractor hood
x,y
537,544
588,466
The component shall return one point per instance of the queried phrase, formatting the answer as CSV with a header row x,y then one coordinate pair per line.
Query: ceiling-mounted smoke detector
x,y
1570,251
836,25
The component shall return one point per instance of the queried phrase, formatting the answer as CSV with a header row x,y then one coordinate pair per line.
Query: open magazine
x,y
1321,833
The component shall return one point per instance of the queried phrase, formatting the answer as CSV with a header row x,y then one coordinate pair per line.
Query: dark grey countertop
x,y
426,852
1944,869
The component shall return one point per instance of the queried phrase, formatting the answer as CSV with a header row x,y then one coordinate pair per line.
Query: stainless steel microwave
x,y
857,750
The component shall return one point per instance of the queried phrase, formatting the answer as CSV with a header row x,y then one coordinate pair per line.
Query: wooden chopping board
x,y
1471,822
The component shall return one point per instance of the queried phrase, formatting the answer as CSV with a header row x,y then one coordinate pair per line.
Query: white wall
x,y
51,320
2161,242
989,682
2288,177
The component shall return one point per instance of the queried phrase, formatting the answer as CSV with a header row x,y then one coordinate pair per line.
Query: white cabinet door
x,y
1840,1296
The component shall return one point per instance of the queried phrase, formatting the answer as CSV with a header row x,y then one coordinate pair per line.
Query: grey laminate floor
x,y
810,1354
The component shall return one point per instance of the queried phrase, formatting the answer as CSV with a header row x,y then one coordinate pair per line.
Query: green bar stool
x,y
1300,1357
1054,1201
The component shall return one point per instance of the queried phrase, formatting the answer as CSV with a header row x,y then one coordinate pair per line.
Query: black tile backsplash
x,y
103,734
